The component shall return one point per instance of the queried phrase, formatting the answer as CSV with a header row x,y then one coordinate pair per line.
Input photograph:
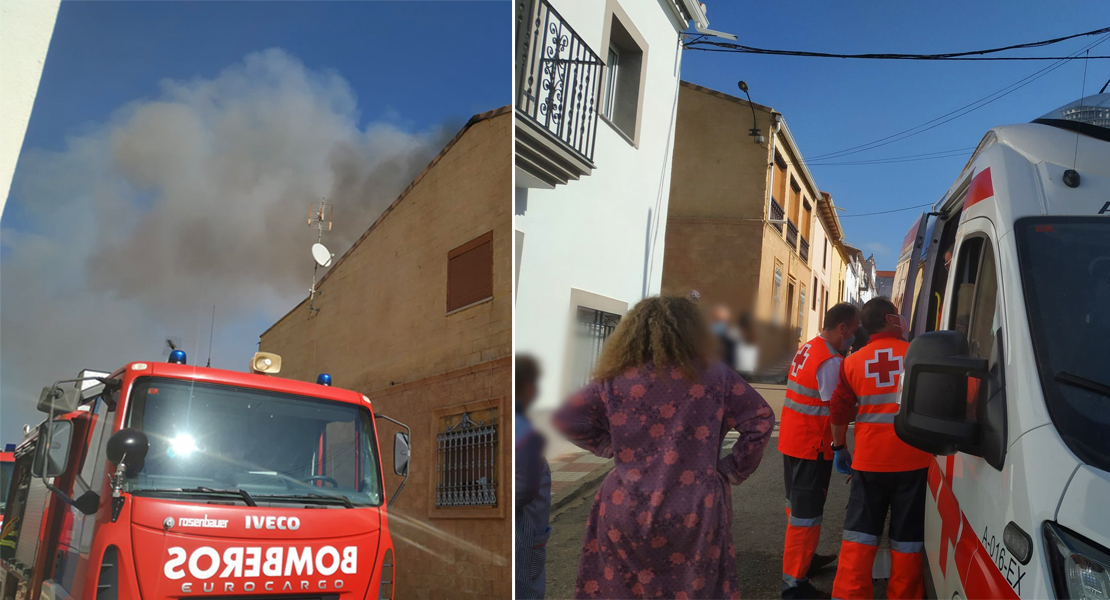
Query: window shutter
x,y
470,272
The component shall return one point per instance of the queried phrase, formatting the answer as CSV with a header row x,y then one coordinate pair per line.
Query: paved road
x,y
759,525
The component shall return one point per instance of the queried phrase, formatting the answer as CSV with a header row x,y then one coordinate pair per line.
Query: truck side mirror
x,y
54,400
401,453
933,413
127,444
52,453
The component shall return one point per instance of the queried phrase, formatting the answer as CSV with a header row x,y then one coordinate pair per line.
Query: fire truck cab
x,y
1007,286
165,480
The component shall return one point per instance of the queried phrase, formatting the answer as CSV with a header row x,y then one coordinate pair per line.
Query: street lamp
x,y
754,131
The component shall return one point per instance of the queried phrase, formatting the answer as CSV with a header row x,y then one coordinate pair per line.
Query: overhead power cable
x,y
897,159
958,112
886,212
701,43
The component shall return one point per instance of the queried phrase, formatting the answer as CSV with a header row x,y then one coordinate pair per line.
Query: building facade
x,y
747,225
860,276
884,283
595,106
826,263
417,316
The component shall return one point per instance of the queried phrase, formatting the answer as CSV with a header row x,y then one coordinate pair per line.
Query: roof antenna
x,y
1071,176
211,328
319,218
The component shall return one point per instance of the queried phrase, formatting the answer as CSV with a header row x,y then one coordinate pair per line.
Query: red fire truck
x,y
165,480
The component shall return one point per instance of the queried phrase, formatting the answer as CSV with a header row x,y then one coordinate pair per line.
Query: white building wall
x,y
851,282
603,234
26,27
822,271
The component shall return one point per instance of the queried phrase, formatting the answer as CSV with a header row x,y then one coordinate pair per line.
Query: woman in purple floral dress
x,y
661,524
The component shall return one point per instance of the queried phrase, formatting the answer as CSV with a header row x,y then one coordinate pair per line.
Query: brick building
x,y
747,225
417,315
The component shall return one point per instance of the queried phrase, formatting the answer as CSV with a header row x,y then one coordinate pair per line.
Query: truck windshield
x,y
1065,271
273,446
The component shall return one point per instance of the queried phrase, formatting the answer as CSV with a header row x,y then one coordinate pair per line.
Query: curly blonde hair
x,y
665,330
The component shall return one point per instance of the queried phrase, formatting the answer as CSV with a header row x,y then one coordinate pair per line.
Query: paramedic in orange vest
x,y
887,474
806,441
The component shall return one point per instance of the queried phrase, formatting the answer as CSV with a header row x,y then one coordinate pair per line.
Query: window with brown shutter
x,y
470,272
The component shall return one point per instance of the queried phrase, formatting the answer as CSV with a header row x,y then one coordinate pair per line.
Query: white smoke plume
x,y
198,197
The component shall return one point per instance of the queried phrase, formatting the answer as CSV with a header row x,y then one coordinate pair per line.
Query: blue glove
x,y
842,460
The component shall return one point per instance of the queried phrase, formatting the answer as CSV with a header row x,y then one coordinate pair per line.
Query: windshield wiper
x,y
1082,382
320,498
204,491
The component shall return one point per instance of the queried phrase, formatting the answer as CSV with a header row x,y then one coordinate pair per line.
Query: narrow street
x,y
759,525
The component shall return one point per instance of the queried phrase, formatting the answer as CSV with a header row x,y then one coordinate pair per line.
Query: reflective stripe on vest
x,y
806,409
802,390
876,399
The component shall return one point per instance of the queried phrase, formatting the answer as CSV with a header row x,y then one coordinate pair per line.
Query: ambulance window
x,y
962,294
983,316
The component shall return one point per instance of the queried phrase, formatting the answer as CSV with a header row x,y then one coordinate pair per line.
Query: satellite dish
x,y
321,254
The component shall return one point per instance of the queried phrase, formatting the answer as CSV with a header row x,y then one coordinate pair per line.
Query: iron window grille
x,y
792,234
777,214
467,464
592,328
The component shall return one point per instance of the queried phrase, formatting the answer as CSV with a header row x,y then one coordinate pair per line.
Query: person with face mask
x,y
886,473
805,441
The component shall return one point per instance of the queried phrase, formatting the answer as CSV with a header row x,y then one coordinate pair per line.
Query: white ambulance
x,y
1007,377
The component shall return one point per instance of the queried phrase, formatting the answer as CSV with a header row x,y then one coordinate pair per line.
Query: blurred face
x,y
526,396
721,314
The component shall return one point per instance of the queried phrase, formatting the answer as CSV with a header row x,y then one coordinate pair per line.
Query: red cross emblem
x,y
883,368
799,360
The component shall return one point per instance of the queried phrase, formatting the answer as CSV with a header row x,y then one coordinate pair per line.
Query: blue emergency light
x,y
324,379
9,448
177,357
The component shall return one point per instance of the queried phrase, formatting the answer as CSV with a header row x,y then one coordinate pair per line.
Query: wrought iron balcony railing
x,y
560,81
792,234
777,214
804,250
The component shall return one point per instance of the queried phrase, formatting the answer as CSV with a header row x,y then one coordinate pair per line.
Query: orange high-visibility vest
x,y
804,426
874,374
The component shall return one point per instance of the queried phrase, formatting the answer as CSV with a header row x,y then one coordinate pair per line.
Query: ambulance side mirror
x,y
933,415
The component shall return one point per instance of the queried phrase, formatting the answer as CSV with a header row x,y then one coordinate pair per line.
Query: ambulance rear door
x,y
905,274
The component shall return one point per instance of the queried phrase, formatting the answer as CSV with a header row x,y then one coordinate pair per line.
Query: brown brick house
x,y
417,315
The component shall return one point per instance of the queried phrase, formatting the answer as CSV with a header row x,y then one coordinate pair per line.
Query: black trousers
x,y
873,494
807,484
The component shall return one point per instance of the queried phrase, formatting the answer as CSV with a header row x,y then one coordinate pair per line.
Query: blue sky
x,y
425,60
832,104
174,148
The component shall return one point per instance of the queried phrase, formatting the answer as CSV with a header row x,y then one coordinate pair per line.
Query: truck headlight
x,y
1080,568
